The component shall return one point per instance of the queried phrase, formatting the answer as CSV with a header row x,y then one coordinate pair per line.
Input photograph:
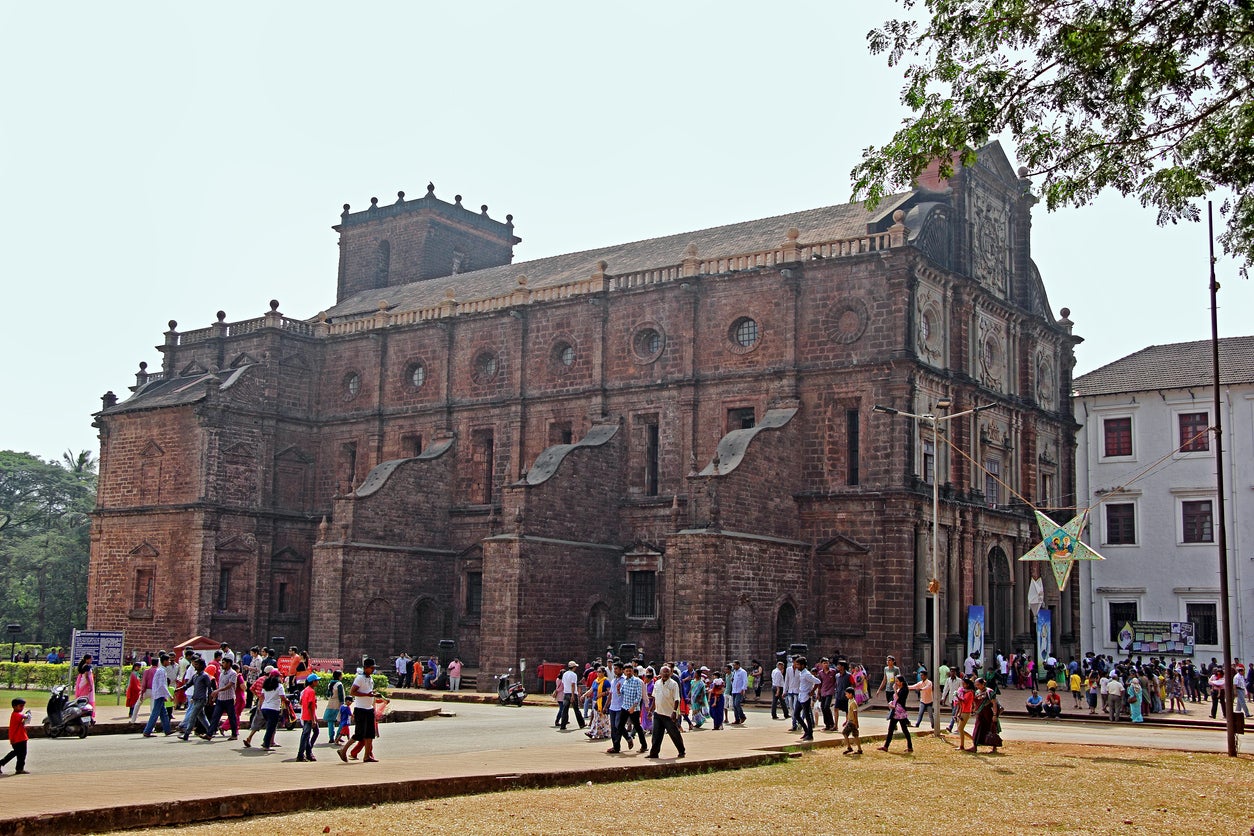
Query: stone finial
x,y
108,399
1066,313
522,281
897,233
792,234
400,197
143,367
1024,171
431,189
173,324
374,203
457,199
691,265
690,251
383,305
322,530
322,317
274,305
221,317
899,216
484,210
1066,322
345,212
791,251
509,219
449,294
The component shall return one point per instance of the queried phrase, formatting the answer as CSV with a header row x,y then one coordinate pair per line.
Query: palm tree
x,y
82,464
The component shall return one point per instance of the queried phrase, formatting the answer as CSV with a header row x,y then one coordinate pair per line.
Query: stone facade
x,y
667,442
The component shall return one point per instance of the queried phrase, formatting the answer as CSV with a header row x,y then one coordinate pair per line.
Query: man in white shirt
x,y
806,685
160,698
224,698
777,693
402,670
792,682
1114,693
739,684
362,693
570,693
1239,690
666,713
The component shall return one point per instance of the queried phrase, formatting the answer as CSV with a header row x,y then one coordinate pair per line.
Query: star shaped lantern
x,y
1061,546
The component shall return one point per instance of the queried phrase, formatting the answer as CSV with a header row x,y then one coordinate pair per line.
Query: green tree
x,y
44,542
1149,97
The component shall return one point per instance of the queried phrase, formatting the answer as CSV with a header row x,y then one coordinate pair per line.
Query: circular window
x,y
744,334
486,367
416,376
352,385
647,344
563,355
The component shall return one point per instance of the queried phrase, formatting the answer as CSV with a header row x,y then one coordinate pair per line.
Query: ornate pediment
x,y
151,449
242,542
145,549
243,359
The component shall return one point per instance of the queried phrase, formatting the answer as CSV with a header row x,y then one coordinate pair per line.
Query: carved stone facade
x,y
667,442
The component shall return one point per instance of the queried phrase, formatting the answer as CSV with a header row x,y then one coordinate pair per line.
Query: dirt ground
x,y
1028,788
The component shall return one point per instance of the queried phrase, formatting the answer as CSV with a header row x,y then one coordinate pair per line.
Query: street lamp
x,y
933,584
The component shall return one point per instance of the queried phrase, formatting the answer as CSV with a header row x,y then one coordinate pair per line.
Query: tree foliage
x,y
44,543
1149,97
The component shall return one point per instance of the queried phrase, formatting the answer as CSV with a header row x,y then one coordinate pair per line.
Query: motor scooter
x,y
65,717
510,693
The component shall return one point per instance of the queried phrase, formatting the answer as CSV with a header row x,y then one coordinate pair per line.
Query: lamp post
x,y
933,584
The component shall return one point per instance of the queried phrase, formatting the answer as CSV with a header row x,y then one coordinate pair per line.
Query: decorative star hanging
x,y
1061,546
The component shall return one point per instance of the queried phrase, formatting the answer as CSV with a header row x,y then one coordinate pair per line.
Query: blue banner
x,y
975,633
1044,637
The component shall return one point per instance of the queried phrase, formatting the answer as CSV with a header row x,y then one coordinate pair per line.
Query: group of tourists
x,y
427,672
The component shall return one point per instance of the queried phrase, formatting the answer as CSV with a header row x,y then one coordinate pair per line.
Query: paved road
x,y
486,728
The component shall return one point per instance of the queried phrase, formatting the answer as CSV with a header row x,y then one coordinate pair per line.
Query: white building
x,y
1145,454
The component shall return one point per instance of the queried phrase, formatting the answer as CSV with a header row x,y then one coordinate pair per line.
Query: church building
x,y
668,442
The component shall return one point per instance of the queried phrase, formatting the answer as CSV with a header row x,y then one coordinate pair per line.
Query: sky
x,y
163,161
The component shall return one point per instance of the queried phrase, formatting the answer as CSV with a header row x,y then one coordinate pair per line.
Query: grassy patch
x,y
1028,788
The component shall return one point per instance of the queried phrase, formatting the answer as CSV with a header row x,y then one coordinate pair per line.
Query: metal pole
x,y
1229,720
934,585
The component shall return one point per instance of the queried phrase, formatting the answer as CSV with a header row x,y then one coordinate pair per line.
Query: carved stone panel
x,y
990,256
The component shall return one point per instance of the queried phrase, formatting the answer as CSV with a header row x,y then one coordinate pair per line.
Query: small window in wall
x,y
1205,620
483,456
1047,490
853,443
224,588
560,433
652,456
382,264
145,588
643,589
348,466
740,418
474,593
1117,437
411,445
1121,613
1194,432
992,483
1196,521
929,460
280,597
1121,524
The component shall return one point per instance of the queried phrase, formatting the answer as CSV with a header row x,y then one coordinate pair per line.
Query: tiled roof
x,y
829,223
1172,366
176,391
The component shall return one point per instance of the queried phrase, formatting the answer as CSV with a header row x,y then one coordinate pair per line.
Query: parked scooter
x,y
510,693
65,717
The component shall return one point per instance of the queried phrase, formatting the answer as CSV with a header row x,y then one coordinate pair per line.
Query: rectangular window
x,y
652,456
1121,524
852,444
560,433
1121,613
1047,490
992,487
929,460
1117,437
741,418
483,456
145,586
411,445
281,598
930,603
348,467
1194,432
224,588
643,594
474,593
1196,521
1205,623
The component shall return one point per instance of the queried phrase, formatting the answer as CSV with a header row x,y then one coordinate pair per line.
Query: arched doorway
x,y
598,629
785,626
428,628
740,634
999,616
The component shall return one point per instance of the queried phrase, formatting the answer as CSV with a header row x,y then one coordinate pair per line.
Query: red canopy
x,y
198,643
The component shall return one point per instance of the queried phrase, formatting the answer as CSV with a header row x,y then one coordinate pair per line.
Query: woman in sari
x,y
85,683
599,728
986,709
646,705
1135,695
716,702
700,701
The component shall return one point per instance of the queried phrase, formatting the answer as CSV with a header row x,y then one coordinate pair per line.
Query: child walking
x,y
308,719
850,729
17,736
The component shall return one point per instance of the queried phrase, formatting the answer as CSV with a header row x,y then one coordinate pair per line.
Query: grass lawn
x,y
1028,788
35,697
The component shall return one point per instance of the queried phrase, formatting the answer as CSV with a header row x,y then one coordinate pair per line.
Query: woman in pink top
x,y
85,684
